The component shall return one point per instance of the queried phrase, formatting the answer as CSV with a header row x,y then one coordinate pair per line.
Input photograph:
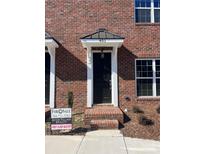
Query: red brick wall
x,y
68,20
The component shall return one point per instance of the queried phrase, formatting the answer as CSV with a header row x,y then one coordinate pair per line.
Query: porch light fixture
x,y
102,54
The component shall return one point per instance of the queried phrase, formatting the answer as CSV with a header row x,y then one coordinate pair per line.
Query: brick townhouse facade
x,y
106,53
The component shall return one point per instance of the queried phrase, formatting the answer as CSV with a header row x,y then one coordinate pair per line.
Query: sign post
x,y
61,119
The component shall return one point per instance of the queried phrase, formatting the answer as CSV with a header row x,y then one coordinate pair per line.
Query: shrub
x,y
145,121
136,109
70,99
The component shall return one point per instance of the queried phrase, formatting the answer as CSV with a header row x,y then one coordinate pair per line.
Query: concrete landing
x,y
62,144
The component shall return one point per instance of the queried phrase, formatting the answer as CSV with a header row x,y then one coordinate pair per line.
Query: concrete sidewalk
x,y
100,142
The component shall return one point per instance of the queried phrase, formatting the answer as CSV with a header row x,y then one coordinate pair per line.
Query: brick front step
x,y
104,124
103,113
103,105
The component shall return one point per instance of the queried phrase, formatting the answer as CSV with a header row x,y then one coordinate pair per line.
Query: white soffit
x,y
51,43
102,42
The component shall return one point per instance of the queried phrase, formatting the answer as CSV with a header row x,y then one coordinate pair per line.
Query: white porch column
x,y
52,77
114,78
89,77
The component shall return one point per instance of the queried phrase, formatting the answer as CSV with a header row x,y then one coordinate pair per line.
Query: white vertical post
x,y
152,11
154,78
52,77
114,77
89,77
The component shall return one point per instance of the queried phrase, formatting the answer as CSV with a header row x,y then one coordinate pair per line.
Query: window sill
x,y
157,98
147,24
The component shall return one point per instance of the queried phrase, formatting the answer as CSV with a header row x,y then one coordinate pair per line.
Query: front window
x,y
148,77
147,11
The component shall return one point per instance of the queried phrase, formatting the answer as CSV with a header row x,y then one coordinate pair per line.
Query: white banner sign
x,y
61,113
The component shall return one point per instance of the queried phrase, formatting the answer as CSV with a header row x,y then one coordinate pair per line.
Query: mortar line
x,y
80,145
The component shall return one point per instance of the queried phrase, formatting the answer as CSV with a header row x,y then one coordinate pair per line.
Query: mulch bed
x,y
135,129
132,128
74,131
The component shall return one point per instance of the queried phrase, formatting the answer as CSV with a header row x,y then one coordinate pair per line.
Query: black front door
x,y
102,77
47,77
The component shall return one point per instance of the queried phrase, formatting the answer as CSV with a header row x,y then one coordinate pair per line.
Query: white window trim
x,y
154,88
151,8
154,78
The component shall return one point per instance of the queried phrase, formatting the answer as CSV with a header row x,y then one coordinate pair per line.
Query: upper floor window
x,y
147,11
148,77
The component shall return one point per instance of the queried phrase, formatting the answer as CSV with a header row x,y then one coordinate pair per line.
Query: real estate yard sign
x,y
61,119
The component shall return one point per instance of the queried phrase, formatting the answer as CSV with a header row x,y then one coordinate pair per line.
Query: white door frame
x,y
114,77
115,44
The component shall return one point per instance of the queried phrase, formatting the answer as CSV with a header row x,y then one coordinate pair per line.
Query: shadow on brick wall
x,y
126,64
69,67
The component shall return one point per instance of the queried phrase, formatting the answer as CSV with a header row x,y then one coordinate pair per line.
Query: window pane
x,y
157,68
157,74
142,3
149,74
144,87
158,87
144,74
157,3
146,62
157,15
150,68
142,15
137,3
144,68
157,62
139,62
139,68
